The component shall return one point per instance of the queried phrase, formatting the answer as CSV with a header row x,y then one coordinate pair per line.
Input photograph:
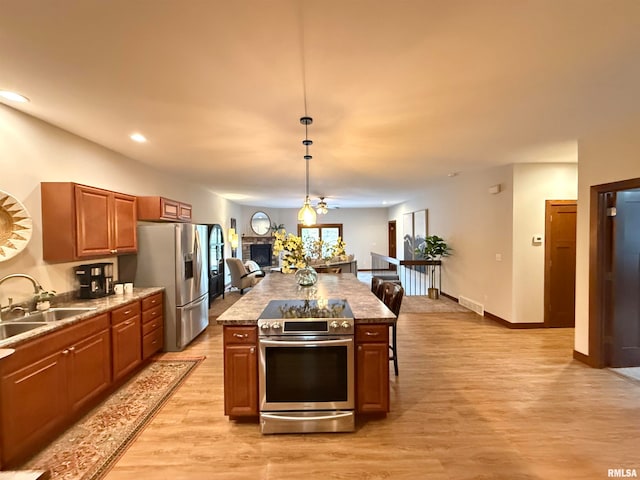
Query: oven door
x,y
302,374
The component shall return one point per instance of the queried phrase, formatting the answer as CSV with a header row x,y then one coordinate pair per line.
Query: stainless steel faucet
x,y
37,288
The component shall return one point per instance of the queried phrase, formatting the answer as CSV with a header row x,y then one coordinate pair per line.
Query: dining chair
x,y
328,269
392,298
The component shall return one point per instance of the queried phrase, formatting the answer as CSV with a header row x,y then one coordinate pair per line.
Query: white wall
x,y
608,157
533,184
32,151
482,227
477,225
364,229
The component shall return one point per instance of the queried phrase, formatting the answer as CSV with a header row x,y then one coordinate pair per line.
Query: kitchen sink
x,y
51,315
10,329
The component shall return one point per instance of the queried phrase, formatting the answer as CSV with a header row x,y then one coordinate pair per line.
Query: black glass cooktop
x,y
321,308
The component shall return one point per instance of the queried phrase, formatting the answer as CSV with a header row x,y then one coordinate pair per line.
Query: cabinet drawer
x,y
152,301
125,312
152,325
152,314
372,333
152,342
240,335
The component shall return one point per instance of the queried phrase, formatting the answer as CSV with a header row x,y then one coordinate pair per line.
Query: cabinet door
x,y
372,378
89,369
93,221
240,380
184,212
34,402
127,346
124,224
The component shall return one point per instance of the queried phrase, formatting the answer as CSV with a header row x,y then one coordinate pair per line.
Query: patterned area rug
x,y
88,449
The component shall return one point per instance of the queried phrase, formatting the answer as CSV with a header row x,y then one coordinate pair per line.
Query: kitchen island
x,y
242,347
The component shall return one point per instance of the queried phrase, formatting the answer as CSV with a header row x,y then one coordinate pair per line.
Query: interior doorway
x,y
392,239
614,278
560,263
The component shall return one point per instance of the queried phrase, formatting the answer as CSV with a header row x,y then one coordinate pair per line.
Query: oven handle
x,y
305,343
279,416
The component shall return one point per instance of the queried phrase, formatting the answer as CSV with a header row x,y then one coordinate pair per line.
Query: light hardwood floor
x,y
473,400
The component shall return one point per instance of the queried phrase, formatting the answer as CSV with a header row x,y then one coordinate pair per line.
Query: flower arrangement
x,y
299,254
291,244
338,248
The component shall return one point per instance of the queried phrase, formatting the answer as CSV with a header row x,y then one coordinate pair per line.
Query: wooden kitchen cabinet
x,y
372,368
49,379
79,221
126,338
157,208
152,325
240,371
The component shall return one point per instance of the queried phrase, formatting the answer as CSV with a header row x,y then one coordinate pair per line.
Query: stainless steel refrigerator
x,y
174,256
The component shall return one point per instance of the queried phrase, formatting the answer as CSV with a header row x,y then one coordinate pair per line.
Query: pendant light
x,y
307,215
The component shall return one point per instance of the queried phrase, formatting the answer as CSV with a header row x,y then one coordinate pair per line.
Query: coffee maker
x,y
95,279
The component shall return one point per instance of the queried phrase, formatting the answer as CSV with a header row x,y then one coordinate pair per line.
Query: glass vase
x,y
306,276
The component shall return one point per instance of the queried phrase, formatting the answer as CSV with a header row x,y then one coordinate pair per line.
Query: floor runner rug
x,y
90,447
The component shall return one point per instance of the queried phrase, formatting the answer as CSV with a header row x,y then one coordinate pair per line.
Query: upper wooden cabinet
x,y
163,209
80,222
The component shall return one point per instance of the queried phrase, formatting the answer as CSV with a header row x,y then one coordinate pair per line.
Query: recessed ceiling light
x,y
13,96
138,137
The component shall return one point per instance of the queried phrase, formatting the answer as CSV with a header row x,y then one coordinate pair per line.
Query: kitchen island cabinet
x,y
241,371
79,221
372,320
372,368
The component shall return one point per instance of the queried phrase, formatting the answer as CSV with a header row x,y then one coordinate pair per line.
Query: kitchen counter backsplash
x,y
70,300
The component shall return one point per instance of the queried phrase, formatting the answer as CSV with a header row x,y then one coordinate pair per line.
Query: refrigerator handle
x,y
198,259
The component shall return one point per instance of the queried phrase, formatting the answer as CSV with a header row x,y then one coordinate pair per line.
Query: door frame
x,y
547,254
597,267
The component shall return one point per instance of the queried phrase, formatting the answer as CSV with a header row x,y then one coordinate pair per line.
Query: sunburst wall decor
x,y
15,226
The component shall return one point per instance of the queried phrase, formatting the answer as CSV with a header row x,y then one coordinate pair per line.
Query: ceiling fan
x,y
322,207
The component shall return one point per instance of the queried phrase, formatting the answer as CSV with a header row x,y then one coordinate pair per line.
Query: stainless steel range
x,y
306,366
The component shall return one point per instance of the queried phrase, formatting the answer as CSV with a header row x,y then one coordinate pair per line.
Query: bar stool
x,y
377,286
392,298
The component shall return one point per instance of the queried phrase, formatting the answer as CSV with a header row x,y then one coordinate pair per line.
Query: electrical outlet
x,y
498,257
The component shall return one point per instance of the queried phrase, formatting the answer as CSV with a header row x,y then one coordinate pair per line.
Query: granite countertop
x,y
99,304
366,307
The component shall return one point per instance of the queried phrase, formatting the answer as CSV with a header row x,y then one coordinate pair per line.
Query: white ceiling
x,y
402,92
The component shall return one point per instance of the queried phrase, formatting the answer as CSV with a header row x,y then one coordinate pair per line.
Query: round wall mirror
x,y
260,223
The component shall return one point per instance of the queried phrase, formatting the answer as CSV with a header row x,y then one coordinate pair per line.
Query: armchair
x,y
242,278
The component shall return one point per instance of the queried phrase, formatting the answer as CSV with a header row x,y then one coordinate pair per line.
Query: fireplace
x,y
261,254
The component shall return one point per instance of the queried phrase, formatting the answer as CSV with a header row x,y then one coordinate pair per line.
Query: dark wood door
x,y
625,327
392,239
560,263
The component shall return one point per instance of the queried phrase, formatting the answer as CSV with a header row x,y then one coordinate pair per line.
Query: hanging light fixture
x,y
322,208
307,215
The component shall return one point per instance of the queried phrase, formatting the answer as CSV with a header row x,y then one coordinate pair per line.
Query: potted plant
x,y
433,249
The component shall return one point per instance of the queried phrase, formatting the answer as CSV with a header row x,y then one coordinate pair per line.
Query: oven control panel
x,y
307,317
315,326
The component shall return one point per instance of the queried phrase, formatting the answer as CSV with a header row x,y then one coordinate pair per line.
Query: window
x,y
328,233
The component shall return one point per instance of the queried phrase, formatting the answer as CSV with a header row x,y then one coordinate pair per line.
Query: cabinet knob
x,y
71,349
241,335
372,334
114,251
253,350
65,352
